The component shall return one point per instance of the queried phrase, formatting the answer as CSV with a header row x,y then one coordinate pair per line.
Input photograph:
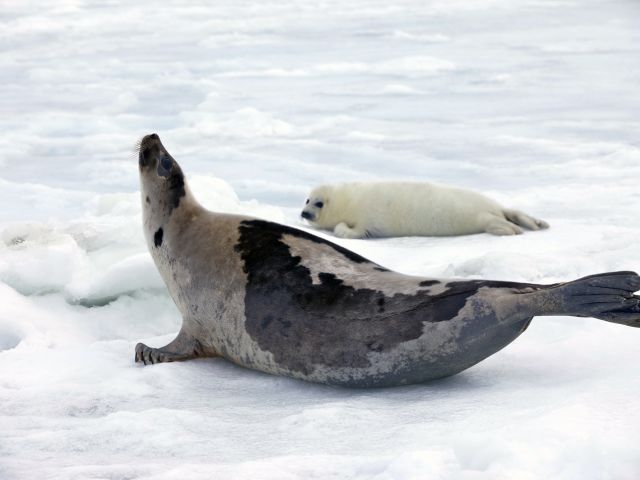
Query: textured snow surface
x,y
533,102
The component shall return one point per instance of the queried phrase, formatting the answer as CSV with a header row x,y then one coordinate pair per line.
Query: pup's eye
x,y
319,204
307,202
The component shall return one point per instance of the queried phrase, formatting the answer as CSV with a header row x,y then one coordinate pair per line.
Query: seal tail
x,y
523,220
606,296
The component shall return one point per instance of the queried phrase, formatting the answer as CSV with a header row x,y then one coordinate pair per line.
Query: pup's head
x,y
161,179
316,205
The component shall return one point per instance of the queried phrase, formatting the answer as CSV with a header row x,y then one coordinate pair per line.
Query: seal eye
x,y
166,163
164,166
307,202
319,204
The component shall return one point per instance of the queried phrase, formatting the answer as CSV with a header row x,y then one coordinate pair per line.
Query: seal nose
x,y
306,215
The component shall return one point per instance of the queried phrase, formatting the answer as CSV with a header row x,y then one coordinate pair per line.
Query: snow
x,y
533,102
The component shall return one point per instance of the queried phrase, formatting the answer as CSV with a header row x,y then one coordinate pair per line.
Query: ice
x,y
531,102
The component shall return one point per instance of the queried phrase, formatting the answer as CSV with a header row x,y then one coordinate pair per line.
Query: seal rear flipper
x,y
606,296
523,220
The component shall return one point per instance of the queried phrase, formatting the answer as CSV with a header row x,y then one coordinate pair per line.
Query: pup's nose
x,y
306,215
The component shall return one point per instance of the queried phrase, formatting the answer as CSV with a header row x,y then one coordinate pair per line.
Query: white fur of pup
x,y
396,209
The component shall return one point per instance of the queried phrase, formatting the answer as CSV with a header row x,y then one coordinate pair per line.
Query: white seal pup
x,y
285,302
399,209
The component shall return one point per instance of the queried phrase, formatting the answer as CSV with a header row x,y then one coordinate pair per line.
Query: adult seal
x,y
280,300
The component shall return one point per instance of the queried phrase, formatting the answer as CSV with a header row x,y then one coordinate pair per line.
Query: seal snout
x,y
150,146
307,215
152,153
149,141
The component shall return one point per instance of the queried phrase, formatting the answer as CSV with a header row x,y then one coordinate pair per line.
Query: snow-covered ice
x,y
533,102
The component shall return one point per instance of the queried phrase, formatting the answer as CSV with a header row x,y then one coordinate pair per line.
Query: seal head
x,y
160,175
316,205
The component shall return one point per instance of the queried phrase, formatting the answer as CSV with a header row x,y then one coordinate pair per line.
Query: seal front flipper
x,y
343,230
183,347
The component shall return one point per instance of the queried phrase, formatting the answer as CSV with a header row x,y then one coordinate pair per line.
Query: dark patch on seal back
x,y
157,237
274,231
428,283
329,323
